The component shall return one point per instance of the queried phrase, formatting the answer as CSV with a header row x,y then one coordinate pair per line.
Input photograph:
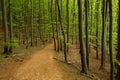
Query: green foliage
x,y
12,43
61,38
117,61
92,44
6,45
92,37
68,44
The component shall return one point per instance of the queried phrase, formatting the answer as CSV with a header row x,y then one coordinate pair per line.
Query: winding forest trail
x,y
42,66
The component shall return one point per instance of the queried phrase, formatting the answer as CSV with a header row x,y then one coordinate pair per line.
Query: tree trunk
x,y
31,42
68,26
53,30
97,33
118,52
39,28
57,28
91,26
103,56
73,22
4,19
62,29
10,25
110,42
86,24
81,41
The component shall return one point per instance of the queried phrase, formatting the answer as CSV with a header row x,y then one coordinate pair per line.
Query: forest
x,y
63,39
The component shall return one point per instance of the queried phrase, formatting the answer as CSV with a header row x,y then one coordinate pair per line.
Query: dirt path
x,y
41,66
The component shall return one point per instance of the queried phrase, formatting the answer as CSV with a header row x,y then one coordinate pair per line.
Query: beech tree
x,y
118,51
81,41
97,25
62,29
67,21
103,46
10,24
86,24
110,41
4,19
53,30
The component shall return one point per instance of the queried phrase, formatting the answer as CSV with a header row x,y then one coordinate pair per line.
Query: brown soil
x,y
95,72
42,65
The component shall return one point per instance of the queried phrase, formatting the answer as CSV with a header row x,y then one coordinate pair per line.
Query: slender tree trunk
x,y
23,14
26,26
68,23
97,33
31,43
43,22
118,52
91,26
39,28
81,41
110,42
57,28
86,24
36,24
62,29
60,32
73,22
76,36
103,37
4,19
53,30
10,25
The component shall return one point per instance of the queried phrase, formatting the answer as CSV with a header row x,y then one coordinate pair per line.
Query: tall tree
x,y
31,43
86,24
57,27
62,29
118,52
39,20
81,41
110,41
103,35
27,23
10,24
73,22
4,19
68,26
97,27
91,22
24,28
53,30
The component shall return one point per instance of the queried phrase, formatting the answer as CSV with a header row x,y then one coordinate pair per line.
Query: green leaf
x,y
68,44
117,61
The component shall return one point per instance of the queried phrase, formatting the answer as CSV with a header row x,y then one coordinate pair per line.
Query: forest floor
x,y
46,64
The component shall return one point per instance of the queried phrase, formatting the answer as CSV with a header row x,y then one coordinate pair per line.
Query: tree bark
x,y
53,30
4,19
110,41
103,36
57,28
31,42
10,25
62,29
118,52
81,41
68,23
86,24
97,27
